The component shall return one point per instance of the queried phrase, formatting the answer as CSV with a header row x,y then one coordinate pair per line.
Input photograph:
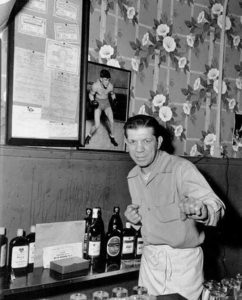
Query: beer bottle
x,y
127,243
115,219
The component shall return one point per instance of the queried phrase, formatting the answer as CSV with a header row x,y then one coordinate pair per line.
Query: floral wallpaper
x,y
185,72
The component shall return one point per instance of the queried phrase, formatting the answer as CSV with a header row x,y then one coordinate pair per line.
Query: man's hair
x,y
105,74
144,121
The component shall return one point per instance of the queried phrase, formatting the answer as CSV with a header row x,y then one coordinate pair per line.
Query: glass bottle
x,y
115,219
3,248
31,240
127,243
138,247
18,254
95,237
113,245
88,220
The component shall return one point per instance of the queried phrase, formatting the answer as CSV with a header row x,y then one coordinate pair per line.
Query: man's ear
x,y
160,141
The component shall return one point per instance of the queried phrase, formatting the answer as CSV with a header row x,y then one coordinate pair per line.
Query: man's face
x,y
105,81
143,146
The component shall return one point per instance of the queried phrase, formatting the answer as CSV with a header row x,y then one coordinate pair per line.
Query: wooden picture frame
x,y
120,79
47,69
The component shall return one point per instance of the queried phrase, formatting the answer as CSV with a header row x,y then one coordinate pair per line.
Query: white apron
x,y
165,270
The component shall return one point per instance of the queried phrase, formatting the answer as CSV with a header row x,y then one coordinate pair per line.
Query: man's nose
x,y
139,146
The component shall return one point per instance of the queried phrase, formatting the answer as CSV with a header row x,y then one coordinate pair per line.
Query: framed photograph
x,y
237,132
47,64
107,106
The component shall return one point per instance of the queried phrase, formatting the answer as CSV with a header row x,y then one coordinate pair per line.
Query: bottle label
x,y
19,257
113,246
3,253
140,246
128,245
31,252
94,248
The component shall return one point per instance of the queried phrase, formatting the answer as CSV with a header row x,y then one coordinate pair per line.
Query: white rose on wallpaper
x,y
106,51
213,74
217,9
113,62
146,39
210,138
236,40
197,84
159,100
142,110
227,22
162,30
232,103
193,151
135,64
178,130
238,82
215,87
182,62
190,40
201,17
130,13
187,108
212,150
165,113
169,44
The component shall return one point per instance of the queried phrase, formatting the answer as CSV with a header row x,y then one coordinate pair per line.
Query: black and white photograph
x,y
107,104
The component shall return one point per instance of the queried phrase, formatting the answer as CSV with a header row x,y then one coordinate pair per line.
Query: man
x,y
171,200
99,97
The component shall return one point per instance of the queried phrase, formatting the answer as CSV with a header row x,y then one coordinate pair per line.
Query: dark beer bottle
x,y
18,254
113,245
138,246
128,243
31,240
3,249
115,219
88,223
95,237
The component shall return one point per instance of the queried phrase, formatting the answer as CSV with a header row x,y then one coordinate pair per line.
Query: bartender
x,y
172,201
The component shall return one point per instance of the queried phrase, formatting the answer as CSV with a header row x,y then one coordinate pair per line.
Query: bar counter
x,y
44,283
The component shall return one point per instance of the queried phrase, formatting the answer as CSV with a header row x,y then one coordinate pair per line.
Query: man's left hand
x,y
193,209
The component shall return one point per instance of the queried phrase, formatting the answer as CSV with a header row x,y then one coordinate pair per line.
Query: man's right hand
x,y
132,213
94,103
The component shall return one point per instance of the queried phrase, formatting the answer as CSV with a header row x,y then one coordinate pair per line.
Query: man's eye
x,y
148,141
131,142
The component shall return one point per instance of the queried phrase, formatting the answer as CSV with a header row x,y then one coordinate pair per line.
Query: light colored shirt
x,y
172,179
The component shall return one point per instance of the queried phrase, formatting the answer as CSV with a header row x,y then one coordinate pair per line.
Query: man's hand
x,y
132,213
193,209
94,103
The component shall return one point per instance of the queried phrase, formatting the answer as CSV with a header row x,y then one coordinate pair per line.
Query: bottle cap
x,y
116,209
32,228
2,230
20,232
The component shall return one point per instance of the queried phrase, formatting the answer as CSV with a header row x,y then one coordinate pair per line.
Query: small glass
x,y
78,296
100,295
119,292
140,290
139,297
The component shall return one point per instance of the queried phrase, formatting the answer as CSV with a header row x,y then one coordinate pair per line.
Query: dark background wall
x,y
50,185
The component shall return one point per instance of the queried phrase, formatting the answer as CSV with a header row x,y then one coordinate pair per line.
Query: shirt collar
x,y
162,165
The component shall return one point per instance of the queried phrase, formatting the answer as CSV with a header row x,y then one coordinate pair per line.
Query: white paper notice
x,y
63,104
32,25
66,10
67,32
37,5
58,252
62,56
31,78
